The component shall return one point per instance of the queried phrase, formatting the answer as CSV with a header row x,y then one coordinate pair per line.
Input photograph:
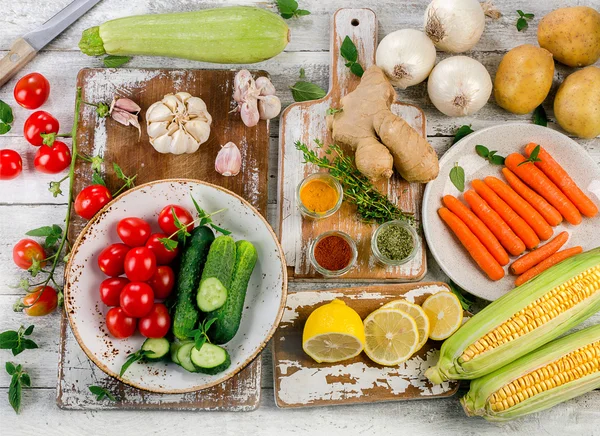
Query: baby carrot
x,y
521,207
478,252
547,263
540,183
531,259
497,226
561,178
549,212
485,236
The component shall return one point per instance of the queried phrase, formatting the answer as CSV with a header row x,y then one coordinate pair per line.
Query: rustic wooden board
x,y
117,143
301,382
305,122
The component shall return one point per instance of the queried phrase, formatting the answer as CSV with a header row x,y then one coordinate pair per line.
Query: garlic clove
x,y
172,102
269,107
249,113
183,96
181,141
229,160
198,129
265,86
126,105
158,112
158,129
162,144
197,108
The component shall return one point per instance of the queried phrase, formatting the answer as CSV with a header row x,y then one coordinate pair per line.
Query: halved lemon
x,y
418,314
445,314
391,336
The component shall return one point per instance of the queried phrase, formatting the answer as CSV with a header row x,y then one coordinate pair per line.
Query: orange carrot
x,y
561,178
531,259
520,206
497,226
549,212
547,263
485,236
541,184
478,252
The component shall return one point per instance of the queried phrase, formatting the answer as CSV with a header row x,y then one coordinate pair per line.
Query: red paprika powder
x,y
333,253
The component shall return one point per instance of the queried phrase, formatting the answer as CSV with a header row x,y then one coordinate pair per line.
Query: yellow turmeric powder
x,y
318,196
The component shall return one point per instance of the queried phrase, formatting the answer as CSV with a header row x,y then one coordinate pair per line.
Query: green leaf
x,y
131,359
457,177
306,91
25,379
286,15
9,340
520,12
357,69
301,12
302,73
461,133
112,61
4,128
287,8
539,116
101,393
102,110
333,110
522,24
348,50
497,160
97,179
199,341
528,16
169,244
14,392
533,157
6,114
10,368
28,344
482,150
29,330
118,171
465,301
40,231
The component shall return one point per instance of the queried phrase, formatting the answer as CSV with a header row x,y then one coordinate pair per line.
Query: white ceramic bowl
x,y
264,302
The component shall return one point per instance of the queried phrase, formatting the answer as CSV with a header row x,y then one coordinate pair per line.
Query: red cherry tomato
x,y
166,221
91,199
110,290
27,250
111,260
119,324
133,231
140,264
40,302
11,164
32,90
137,299
39,122
54,159
156,324
162,282
163,255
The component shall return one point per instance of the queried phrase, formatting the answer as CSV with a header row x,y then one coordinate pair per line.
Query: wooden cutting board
x,y
301,382
306,122
120,144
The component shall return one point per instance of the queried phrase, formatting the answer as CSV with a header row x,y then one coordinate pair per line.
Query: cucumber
x,y
174,348
210,359
183,355
158,348
211,295
217,274
228,317
193,259
229,35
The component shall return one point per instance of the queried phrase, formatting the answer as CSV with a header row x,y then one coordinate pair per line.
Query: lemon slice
x,y
391,336
418,314
445,314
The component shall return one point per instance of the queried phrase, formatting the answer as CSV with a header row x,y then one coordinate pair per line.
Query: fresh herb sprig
x,y
6,118
457,177
539,116
533,157
132,358
349,52
464,299
489,155
101,393
522,23
461,133
112,61
19,379
200,334
16,341
334,110
289,9
306,91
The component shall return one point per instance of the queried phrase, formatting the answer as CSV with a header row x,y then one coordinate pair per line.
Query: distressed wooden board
x,y
301,382
306,122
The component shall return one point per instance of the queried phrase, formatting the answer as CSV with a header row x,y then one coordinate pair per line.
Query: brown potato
x,y
523,79
572,35
577,103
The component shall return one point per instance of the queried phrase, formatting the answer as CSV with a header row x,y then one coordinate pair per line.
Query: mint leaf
x,y
357,69
10,368
131,359
522,23
306,91
112,61
457,177
101,393
465,301
533,157
168,243
19,378
6,117
348,50
15,341
118,171
482,150
461,133
539,116
97,179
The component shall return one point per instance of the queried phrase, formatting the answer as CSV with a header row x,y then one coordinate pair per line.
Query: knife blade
x,y
25,48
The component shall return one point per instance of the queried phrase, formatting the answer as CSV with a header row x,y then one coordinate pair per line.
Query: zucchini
x,y
193,259
210,359
183,355
228,317
157,349
217,274
229,35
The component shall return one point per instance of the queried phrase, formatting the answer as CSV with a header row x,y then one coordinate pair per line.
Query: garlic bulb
x,y
454,26
459,86
406,56
256,99
229,160
178,123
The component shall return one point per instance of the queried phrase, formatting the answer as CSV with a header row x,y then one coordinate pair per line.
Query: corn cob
x,y
522,320
558,371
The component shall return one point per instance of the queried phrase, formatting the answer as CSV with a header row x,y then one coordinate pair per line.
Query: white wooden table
x,y
25,204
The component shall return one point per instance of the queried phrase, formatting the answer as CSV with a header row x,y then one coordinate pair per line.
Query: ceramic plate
x,y
264,300
506,138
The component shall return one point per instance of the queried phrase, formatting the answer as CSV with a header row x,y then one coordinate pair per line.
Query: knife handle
x,y
20,54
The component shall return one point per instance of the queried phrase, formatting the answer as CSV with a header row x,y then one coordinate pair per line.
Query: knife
x,y
24,49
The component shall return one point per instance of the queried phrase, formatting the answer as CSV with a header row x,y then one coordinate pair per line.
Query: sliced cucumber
x,y
175,346
183,355
157,348
210,359
211,295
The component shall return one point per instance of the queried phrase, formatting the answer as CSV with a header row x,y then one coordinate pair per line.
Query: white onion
x,y
454,26
406,56
459,86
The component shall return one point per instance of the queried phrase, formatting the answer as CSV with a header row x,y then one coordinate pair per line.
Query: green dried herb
x,y
395,242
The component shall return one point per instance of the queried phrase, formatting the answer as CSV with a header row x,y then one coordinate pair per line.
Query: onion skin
x,y
454,26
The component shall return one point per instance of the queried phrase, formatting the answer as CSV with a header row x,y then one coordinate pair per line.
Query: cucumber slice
x,y
175,346
210,359
158,348
183,355
211,295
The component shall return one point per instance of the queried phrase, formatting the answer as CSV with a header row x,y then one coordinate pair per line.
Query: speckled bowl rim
x,y
90,224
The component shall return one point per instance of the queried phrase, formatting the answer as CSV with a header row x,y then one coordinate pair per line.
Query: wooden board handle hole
x,y
355,22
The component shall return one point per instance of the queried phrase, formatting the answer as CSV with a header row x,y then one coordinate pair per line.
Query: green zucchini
x,y
210,359
217,274
228,35
193,258
156,348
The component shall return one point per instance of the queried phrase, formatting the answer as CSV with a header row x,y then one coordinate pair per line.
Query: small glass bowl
x,y
326,272
330,180
389,262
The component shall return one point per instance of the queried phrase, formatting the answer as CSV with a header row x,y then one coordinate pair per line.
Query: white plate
x,y
507,138
264,303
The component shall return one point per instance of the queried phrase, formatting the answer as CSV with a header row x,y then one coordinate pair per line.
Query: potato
x,y
572,35
577,103
523,79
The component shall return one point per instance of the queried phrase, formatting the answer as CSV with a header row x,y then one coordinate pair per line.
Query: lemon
x,y
391,336
418,314
445,314
333,332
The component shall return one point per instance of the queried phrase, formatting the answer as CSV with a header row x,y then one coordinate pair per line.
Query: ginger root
x,y
380,139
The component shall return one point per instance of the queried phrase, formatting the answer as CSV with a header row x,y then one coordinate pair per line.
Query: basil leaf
x,y
10,368
97,179
302,12
29,329
131,359
306,91
9,340
40,231
112,61
457,177
465,301
168,243
118,171
348,50
461,133
539,116
4,128
287,8
482,150
14,392
522,24
6,114
357,69
25,379
101,393
497,160
28,344
521,13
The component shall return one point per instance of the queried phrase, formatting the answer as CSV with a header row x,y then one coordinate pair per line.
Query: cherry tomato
x,y
140,264
40,302
32,90
39,122
111,260
163,255
11,164
110,290
137,299
156,324
91,199
162,282
119,324
133,231
54,159
25,251
167,223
